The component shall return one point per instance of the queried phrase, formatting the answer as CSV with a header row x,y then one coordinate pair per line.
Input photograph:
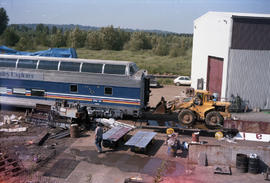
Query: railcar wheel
x,y
186,117
213,119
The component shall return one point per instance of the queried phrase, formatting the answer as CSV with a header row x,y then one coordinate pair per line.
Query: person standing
x,y
99,137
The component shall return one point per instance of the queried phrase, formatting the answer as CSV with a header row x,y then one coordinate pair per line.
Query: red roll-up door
x,y
214,75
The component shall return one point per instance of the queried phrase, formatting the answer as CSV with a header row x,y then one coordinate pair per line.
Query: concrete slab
x,y
115,165
252,116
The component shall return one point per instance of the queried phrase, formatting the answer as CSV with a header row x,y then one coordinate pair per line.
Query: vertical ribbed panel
x,y
249,77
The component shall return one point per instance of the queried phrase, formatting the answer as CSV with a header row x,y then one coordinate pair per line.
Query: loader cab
x,y
199,99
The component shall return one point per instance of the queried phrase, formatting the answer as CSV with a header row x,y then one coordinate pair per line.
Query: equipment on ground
x,y
201,106
140,141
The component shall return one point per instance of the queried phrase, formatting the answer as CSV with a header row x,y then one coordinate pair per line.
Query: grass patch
x,y
166,81
144,59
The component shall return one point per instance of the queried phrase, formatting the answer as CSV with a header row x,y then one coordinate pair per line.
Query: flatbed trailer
x,y
243,130
154,125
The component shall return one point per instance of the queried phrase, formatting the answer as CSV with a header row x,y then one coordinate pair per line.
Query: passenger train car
x,y
113,88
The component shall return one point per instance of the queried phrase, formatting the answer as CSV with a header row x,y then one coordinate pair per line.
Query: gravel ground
x,y
169,92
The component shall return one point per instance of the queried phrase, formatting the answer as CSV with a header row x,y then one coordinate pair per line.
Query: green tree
x,y
58,39
41,38
124,37
3,20
24,28
174,51
40,28
110,38
67,38
54,29
154,40
161,48
10,37
77,38
93,40
25,43
138,41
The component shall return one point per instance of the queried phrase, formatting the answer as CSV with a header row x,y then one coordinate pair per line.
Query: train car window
x,y
7,62
115,69
70,66
27,64
134,68
3,90
74,88
19,91
93,68
131,70
108,91
48,65
37,92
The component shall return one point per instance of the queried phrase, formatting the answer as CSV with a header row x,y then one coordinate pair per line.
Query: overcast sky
x,y
169,15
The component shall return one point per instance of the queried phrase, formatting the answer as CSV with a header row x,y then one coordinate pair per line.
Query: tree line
x,y
106,38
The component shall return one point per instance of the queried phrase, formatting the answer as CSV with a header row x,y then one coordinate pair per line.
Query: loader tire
x,y
213,119
186,117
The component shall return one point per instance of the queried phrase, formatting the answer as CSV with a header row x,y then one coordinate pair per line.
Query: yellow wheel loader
x,y
201,106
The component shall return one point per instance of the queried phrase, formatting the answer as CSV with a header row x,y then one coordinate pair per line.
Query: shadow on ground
x,y
154,147
130,163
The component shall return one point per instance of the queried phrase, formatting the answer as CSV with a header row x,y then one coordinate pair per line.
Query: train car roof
x,y
116,62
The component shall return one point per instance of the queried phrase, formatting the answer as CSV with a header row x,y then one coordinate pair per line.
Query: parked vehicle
x,y
202,106
106,88
182,80
153,82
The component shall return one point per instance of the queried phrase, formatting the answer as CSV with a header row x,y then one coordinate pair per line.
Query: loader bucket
x,y
161,107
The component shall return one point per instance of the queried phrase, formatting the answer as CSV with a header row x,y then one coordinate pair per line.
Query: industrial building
x,y
231,56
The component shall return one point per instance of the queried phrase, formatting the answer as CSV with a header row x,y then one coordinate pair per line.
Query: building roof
x,y
215,14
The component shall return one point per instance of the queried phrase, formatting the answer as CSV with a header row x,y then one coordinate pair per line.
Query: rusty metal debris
x,y
113,123
226,170
42,115
43,137
12,119
248,126
10,165
60,135
19,129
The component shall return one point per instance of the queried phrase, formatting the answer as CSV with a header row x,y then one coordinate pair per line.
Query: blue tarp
x,y
52,52
6,50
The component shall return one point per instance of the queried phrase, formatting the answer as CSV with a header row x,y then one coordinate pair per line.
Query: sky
x,y
167,15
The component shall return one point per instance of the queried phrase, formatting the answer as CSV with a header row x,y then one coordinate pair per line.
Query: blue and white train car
x,y
110,87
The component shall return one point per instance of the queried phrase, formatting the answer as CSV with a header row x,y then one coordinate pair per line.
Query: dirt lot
x,y
169,92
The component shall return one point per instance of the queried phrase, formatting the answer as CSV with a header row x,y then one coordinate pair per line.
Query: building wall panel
x,y
251,33
249,77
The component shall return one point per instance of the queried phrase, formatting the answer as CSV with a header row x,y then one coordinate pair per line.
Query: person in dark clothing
x,y
99,137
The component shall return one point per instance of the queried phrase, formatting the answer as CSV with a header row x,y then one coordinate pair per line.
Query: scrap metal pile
x,y
44,115
10,165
